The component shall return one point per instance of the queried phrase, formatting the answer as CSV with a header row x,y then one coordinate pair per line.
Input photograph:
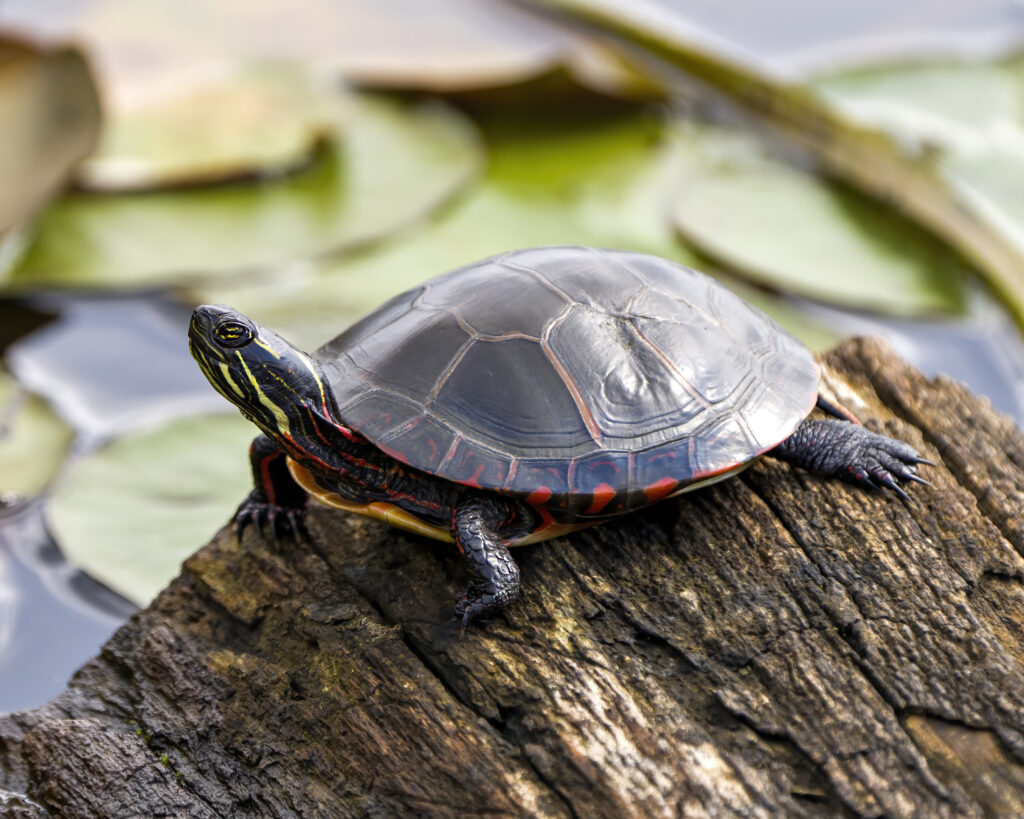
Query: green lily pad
x,y
967,121
129,513
34,442
51,119
397,162
603,178
784,227
879,164
256,120
565,177
969,117
954,106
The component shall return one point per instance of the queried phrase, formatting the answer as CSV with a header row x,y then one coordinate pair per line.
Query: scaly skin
x,y
479,523
838,449
276,504
476,521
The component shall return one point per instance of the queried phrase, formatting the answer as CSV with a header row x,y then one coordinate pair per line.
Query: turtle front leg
x,y
276,502
843,450
475,524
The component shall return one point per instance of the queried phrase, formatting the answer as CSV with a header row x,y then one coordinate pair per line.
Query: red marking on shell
x,y
538,499
474,479
710,473
603,493
539,496
609,463
660,488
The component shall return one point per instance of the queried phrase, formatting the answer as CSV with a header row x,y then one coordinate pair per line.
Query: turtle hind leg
x,y
475,524
276,505
842,450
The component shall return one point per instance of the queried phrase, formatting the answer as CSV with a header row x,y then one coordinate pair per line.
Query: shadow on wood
x,y
775,644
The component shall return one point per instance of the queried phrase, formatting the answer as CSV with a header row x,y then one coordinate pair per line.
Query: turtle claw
x,y
475,600
279,522
889,482
854,453
882,462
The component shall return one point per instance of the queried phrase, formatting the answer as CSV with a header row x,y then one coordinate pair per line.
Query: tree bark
x,y
774,644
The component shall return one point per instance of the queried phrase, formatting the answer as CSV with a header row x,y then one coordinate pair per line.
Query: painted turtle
x,y
524,396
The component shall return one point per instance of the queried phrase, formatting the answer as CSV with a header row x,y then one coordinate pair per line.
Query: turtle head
x,y
276,385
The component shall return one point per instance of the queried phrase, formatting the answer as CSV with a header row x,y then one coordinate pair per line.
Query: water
x,y
107,365
797,37
53,617
984,350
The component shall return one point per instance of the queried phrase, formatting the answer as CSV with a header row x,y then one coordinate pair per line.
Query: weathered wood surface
x,y
775,644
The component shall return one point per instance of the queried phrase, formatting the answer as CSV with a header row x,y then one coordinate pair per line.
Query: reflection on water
x,y
984,350
8,602
53,618
113,363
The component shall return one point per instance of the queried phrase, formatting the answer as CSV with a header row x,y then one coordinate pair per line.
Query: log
x,y
776,644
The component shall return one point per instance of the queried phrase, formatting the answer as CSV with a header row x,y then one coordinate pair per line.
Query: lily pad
x,y
51,119
597,178
867,159
604,177
256,120
968,117
967,120
398,161
784,227
34,442
958,106
129,513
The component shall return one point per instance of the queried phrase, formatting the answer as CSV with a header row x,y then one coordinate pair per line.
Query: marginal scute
x,y
587,371
475,465
424,440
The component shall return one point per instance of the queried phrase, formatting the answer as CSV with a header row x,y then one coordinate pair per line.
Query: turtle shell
x,y
585,380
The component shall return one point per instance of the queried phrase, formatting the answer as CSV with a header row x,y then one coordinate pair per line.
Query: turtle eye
x,y
232,334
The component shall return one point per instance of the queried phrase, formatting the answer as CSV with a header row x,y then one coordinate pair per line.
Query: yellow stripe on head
x,y
282,419
270,350
313,370
230,379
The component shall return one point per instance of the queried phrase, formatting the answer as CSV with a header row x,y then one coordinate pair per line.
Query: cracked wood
x,y
775,644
